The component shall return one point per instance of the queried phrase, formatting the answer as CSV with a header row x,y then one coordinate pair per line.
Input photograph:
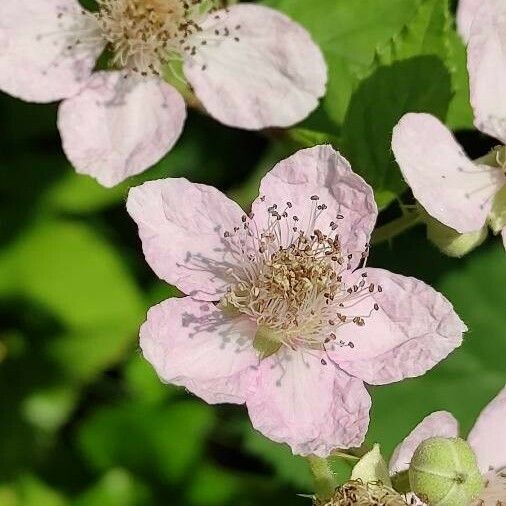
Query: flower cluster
x,y
281,312
250,66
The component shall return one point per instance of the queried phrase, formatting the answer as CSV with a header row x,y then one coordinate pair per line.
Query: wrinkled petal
x,y
486,61
266,73
119,126
40,57
439,423
181,226
192,344
314,408
488,436
414,328
446,183
465,15
322,172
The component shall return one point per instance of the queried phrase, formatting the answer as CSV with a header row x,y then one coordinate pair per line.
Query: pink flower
x,y
452,188
250,66
458,192
487,438
281,313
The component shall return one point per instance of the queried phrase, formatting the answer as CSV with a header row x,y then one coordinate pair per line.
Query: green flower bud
x,y
444,472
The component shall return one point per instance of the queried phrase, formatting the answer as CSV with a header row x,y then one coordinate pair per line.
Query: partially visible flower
x,y
359,493
460,193
250,66
487,438
281,312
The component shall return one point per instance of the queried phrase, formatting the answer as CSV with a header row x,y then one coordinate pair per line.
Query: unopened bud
x,y
445,471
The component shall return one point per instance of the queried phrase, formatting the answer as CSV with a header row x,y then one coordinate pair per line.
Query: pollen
x,y
290,280
357,493
145,35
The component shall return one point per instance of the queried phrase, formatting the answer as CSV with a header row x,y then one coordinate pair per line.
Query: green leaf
x,y
427,33
213,486
116,488
348,33
28,490
290,468
77,277
418,84
144,384
460,113
162,441
409,76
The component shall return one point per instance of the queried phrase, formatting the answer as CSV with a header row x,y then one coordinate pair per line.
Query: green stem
x,y
400,482
324,478
395,227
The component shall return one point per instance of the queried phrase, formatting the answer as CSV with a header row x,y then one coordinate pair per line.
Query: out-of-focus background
x,y
84,421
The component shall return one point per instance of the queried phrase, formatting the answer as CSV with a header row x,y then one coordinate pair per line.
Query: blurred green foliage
x,y
84,421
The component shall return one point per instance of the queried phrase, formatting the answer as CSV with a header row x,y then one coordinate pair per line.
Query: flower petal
x,y
323,172
488,436
466,12
41,59
117,127
503,233
446,183
486,62
414,329
192,344
439,423
181,225
314,408
265,72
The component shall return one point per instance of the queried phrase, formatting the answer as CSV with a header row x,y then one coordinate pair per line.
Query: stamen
x,y
295,287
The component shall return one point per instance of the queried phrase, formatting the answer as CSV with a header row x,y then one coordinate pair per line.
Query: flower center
x,y
357,493
290,281
145,35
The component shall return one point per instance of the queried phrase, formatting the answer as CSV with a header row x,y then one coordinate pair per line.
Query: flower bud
x,y
444,471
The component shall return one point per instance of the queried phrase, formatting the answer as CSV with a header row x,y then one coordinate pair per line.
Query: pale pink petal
x,y
439,423
192,344
181,225
266,73
447,184
322,172
465,15
40,58
488,436
486,61
414,328
119,126
314,408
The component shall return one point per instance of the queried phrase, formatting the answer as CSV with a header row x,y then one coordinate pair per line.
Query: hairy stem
x,y
396,227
